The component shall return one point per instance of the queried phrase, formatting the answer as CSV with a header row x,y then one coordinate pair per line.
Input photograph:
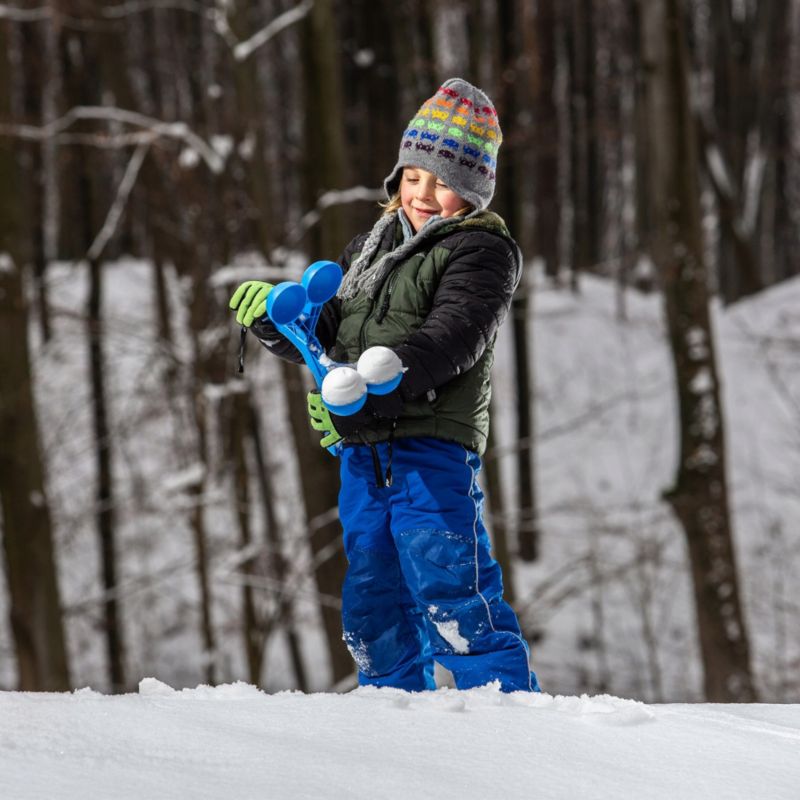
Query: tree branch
x,y
123,193
245,49
24,15
155,128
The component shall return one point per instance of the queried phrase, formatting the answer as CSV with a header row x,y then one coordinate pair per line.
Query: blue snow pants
x,y
421,583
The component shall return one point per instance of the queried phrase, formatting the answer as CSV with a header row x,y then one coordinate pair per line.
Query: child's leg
x,y
446,561
383,628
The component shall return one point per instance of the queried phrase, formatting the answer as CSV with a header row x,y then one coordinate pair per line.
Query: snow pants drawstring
x,y
242,346
382,479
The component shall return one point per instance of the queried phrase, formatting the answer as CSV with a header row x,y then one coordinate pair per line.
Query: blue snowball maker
x,y
386,386
321,281
348,409
285,302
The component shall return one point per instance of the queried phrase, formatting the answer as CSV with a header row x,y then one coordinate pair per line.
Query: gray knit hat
x,y
456,136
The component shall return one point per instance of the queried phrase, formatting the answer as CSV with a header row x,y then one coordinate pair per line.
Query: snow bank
x,y
235,742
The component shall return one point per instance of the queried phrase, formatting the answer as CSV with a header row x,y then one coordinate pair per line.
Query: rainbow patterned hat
x,y
456,136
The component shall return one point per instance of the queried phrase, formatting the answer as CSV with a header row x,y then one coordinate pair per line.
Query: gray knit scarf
x,y
367,276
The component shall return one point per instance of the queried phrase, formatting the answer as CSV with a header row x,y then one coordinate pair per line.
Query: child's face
x,y
423,195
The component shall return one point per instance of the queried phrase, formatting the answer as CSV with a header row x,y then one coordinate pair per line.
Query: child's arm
x,y
327,325
470,304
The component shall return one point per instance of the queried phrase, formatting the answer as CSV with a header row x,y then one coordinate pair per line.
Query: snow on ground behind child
x,y
236,742
610,597
156,472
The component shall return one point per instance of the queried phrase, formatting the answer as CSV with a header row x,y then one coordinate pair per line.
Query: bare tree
x,y
585,183
319,476
513,191
279,569
740,133
547,135
82,83
498,527
699,497
326,162
35,607
325,166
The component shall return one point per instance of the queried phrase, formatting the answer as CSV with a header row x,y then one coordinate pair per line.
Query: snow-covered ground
x,y
609,601
236,743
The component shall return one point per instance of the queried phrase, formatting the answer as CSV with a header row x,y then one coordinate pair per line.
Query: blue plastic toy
x,y
294,309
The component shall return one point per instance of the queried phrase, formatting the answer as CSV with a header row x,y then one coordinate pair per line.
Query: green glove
x,y
321,420
251,300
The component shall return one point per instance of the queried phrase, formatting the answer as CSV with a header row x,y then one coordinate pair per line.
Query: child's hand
x,y
321,420
377,407
251,301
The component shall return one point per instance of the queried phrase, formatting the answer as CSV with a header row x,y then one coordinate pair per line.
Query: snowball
x,y
341,386
379,364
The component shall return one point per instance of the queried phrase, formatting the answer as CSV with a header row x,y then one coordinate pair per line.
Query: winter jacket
x,y
439,309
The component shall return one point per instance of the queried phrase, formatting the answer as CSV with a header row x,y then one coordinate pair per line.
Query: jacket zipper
x,y
384,309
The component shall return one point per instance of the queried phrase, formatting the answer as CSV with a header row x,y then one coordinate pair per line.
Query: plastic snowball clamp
x,y
294,310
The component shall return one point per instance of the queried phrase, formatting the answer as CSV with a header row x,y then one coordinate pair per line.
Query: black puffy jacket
x,y
439,308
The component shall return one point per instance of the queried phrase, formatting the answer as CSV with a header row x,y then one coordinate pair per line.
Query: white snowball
x,y
341,386
379,364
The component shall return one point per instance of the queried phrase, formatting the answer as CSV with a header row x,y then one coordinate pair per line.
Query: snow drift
x,y
236,742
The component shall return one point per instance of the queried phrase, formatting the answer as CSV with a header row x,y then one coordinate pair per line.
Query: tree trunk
x,y
252,629
325,168
585,161
201,369
34,600
751,59
104,493
200,536
278,567
207,370
319,475
33,80
81,71
325,162
547,138
249,129
35,607
51,98
512,169
373,84
204,248
528,525
700,494
498,527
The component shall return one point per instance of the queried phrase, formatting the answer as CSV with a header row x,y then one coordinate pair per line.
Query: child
x,y
433,281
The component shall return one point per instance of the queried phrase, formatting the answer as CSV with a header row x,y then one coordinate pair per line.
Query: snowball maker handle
x,y
294,309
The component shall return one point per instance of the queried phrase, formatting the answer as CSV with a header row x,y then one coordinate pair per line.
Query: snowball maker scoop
x,y
294,310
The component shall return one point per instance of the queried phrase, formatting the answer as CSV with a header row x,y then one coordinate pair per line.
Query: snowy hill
x,y
235,742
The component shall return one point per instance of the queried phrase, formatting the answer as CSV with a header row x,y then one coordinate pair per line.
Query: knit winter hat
x,y
456,136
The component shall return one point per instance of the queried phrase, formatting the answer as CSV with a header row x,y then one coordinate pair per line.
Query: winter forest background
x,y
163,515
